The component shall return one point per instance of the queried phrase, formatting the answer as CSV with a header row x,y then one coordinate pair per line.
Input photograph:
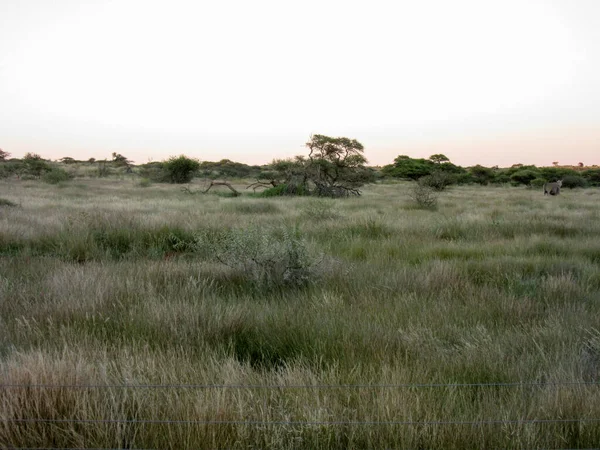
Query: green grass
x,y
108,284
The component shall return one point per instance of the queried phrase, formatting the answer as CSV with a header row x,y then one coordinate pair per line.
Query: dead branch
x,y
263,184
221,183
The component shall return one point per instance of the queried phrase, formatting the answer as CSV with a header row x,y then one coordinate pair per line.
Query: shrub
x,y
438,180
424,196
537,182
285,189
524,176
56,175
574,181
181,169
267,257
34,165
481,175
592,176
6,202
320,209
144,182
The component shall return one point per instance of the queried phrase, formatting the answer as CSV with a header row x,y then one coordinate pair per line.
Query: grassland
x,y
105,283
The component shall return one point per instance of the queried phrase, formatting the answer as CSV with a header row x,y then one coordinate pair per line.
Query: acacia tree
x,y
3,155
336,166
120,160
439,158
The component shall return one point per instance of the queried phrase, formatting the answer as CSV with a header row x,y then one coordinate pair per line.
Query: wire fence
x,y
307,422
301,386
303,423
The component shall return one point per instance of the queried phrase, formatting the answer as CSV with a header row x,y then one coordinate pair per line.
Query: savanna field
x,y
143,316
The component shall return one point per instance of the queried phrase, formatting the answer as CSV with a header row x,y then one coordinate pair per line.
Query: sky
x,y
481,81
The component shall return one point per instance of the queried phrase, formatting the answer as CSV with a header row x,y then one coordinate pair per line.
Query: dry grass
x,y
101,283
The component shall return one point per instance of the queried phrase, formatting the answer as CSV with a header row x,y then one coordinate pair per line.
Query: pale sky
x,y
482,81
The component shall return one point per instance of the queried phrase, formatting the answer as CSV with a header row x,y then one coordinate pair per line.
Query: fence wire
x,y
299,386
307,423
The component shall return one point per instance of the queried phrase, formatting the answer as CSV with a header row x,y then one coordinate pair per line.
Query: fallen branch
x,y
221,183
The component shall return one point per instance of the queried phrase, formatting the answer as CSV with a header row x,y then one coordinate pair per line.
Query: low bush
x,y
56,175
574,181
285,189
438,180
537,182
424,196
181,169
266,257
6,202
320,209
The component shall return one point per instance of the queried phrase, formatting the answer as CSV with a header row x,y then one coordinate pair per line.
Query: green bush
x,y
56,175
34,165
144,182
438,180
481,175
592,176
181,169
574,181
285,189
537,182
6,202
525,176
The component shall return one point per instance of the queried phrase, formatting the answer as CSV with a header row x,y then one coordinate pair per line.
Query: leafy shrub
x,y
34,165
537,182
285,189
144,182
438,180
181,169
481,175
6,202
56,175
574,181
592,176
424,196
524,176
267,257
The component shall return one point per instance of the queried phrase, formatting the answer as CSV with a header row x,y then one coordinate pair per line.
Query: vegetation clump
x,y
424,196
334,167
56,175
181,169
6,202
267,257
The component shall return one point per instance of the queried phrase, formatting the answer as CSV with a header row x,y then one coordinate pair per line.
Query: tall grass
x,y
106,284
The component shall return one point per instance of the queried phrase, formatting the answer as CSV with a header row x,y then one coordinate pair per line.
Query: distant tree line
x,y
439,171
333,167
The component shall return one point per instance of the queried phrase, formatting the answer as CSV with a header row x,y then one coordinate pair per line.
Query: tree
x,y
336,166
3,155
120,160
411,168
481,174
439,158
181,169
35,165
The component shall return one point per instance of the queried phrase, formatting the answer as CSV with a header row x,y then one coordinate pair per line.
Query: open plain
x,y
149,317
